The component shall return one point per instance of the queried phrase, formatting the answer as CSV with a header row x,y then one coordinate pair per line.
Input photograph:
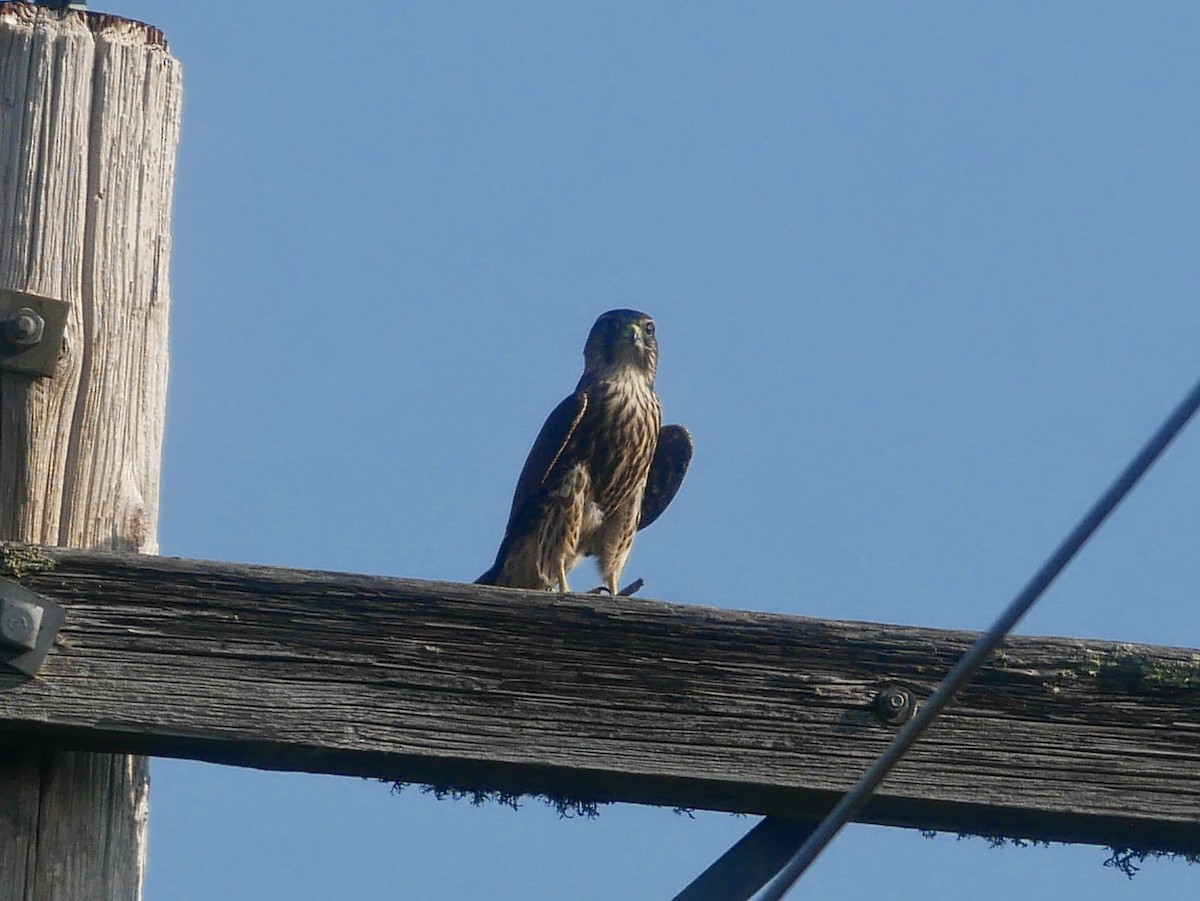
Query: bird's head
x,y
622,339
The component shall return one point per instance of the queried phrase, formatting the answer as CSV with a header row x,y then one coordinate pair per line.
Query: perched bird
x,y
602,467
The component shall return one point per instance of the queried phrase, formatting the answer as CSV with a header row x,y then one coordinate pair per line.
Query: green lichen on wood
x,y
1174,675
18,559
1128,664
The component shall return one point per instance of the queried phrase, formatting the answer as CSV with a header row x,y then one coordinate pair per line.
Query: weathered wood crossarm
x,y
605,699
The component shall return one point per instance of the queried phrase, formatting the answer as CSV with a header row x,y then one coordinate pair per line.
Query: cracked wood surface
x,y
89,123
595,698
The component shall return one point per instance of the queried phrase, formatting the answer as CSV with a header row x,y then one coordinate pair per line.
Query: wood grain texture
x,y
45,111
598,698
89,122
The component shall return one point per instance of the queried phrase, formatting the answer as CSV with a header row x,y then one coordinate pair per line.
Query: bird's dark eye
x,y
649,329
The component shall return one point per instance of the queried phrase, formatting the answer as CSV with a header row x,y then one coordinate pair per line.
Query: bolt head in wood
x,y
895,705
31,332
20,623
24,328
29,624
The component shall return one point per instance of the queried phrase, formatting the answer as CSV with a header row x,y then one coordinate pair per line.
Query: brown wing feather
x,y
551,441
672,456
549,445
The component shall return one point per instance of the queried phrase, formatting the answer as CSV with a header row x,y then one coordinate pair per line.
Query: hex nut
x,y
20,623
894,705
24,328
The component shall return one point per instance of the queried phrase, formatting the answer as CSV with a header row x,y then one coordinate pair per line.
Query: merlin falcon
x,y
602,467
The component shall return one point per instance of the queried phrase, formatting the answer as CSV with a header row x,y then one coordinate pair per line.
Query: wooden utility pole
x,y
89,123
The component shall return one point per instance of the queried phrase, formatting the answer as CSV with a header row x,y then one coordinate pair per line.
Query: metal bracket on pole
x,y
28,625
31,332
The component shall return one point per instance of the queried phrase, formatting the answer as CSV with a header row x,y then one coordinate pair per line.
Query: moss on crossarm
x,y
18,559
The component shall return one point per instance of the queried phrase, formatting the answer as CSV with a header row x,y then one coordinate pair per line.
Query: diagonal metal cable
x,y
854,800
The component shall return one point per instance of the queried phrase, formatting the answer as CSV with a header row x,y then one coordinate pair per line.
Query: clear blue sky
x,y
925,274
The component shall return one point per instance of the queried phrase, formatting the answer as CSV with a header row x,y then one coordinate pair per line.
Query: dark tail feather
x,y
489,577
492,576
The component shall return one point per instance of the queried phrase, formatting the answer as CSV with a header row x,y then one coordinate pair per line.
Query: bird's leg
x,y
563,587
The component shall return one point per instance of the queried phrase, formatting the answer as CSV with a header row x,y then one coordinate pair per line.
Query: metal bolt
x,y
894,705
24,328
20,623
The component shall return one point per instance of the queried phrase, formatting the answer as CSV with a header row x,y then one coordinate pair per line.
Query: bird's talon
x,y
601,589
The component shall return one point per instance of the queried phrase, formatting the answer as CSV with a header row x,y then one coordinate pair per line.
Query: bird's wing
x,y
671,458
551,441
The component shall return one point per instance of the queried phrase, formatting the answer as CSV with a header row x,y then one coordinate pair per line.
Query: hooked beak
x,y
634,334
